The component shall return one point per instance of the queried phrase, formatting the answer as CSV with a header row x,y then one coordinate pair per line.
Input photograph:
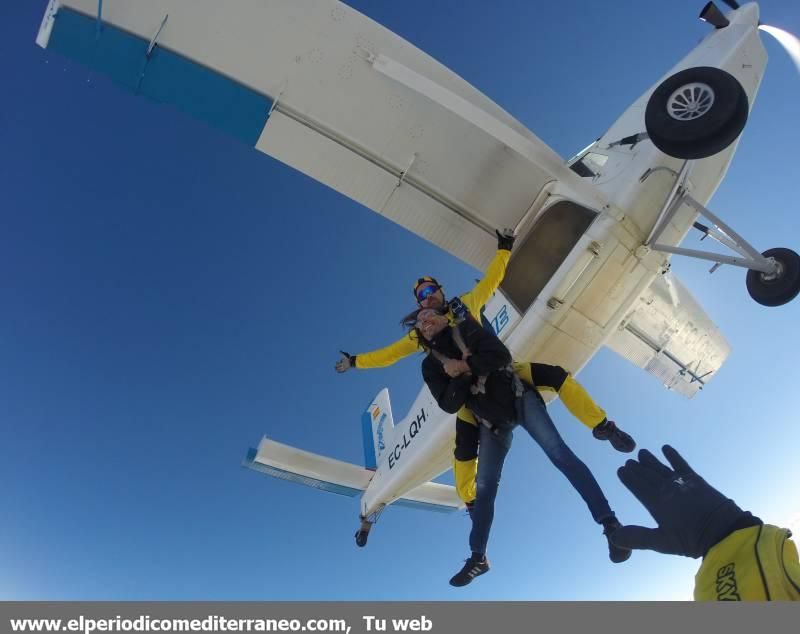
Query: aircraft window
x,y
589,165
542,251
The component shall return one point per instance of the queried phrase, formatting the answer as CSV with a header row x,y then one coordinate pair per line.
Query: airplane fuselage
x,y
607,270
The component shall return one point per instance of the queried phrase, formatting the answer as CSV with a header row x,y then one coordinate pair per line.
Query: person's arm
x,y
488,353
743,560
758,563
495,272
382,357
390,354
450,393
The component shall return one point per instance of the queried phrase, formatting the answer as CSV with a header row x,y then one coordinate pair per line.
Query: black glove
x,y
692,516
505,239
346,362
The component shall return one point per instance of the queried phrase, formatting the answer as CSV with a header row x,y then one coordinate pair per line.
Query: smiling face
x,y
430,323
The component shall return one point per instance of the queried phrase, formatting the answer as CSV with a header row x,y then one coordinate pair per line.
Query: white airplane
x,y
335,95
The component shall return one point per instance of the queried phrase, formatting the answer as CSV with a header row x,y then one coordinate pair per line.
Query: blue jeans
x,y
533,417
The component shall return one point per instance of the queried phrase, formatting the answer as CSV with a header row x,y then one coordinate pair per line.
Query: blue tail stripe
x,y
164,76
370,460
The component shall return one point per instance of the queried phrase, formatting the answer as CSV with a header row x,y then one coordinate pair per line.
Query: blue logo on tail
x,y
379,433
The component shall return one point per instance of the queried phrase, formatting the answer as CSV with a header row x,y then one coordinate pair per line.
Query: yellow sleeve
x,y
476,299
389,355
523,371
758,563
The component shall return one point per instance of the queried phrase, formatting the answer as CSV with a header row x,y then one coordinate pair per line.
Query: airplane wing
x,y
335,476
326,90
669,335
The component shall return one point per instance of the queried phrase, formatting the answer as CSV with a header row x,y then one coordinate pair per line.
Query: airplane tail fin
x,y
377,426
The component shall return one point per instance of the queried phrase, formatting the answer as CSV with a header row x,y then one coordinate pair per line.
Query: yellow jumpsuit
x,y
543,377
758,563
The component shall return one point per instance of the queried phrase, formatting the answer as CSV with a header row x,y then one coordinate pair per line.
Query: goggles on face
x,y
426,291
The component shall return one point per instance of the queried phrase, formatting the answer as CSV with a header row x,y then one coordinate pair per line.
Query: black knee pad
x,y
552,376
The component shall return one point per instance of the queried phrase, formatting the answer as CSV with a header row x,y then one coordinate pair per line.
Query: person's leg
x,y
491,455
621,441
465,463
580,404
575,398
533,416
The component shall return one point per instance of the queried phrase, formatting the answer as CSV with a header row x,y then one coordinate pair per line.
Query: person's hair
x,y
409,322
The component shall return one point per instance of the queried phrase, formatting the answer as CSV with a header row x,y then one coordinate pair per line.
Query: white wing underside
x,y
363,111
670,336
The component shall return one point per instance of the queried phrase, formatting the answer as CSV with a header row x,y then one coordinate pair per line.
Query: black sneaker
x,y
618,438
615,553
472,568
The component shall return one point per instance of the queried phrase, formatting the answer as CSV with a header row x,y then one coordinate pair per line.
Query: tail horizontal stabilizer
x,y
343,478
319,472
432,496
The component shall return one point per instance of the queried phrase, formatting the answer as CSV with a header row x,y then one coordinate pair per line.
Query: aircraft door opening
x,y
546,246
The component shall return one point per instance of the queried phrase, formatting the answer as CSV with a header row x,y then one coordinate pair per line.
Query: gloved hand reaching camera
x,y
692,516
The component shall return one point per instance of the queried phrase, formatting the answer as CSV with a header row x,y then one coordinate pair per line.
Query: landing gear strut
x,y
773,277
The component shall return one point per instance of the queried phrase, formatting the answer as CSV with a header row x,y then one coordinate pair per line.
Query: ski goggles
x,y
426,291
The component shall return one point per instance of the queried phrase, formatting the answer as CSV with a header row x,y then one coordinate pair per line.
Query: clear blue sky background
x,y
168,296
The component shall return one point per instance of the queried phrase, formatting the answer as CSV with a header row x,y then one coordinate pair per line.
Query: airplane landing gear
x,y
773,277
779,287
363,533
696,112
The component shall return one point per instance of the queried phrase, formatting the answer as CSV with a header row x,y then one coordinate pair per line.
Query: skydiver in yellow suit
x,y
430,294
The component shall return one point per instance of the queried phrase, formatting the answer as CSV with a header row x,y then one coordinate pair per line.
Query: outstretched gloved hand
x,y
692,516
505,239
346,362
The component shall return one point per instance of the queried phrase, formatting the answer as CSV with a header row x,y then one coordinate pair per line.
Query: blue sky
x,y
170,295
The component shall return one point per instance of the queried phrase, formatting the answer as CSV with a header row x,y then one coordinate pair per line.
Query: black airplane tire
x,y
784,287
696,113
361,538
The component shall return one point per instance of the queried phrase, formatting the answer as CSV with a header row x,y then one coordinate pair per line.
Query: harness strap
x,y
479,387
440,357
